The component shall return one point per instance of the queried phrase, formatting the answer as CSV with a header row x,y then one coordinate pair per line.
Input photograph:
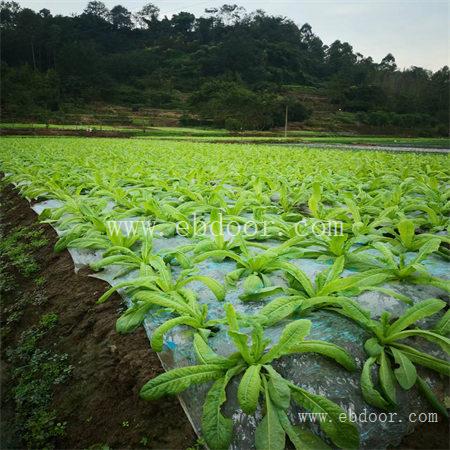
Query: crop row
x,y
392,214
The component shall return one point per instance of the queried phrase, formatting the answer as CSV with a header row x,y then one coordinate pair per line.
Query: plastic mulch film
x,y
312,372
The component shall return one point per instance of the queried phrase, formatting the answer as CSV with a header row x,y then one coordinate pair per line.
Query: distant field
x,y
225,136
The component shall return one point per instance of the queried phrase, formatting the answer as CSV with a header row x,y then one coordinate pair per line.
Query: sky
x,y
416,32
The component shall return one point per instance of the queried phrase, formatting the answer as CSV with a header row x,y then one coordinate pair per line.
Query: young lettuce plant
x,y
86,230
433,201
155,286
218,241
329,282
157,278
329,247
329,290
281,230
255,267
184,306
165,216
370,224
408,241
259,380
386,348
398,268
130,260
114,238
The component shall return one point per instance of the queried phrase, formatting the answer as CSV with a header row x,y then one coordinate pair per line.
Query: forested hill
x,y
228,68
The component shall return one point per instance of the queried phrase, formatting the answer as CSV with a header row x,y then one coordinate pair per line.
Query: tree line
x,y
231,67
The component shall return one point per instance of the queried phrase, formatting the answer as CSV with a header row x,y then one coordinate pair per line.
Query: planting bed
x,y
318,297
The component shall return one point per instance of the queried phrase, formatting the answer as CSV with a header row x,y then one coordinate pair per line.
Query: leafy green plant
x,y
329,281
218,242
408,240
158,288
402,269
255,267
259,379
131,260
387,349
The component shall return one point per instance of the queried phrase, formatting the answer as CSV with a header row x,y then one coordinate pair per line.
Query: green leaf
x,y
352,282
258,341
429,247
328,349
304,439
252,283
140,282
232,277
162,300
292,334
132,318
314,200
216,428
217,226
279,309
372,347
231,317
336,269
240,340
387,380
406,373
297,274
418,311
219,254
249,388
354,311
269,434
177,380
406,228
279,390
260,293
429,395
205,354
157,338
442,341
336,424
337,244
388,256
443,325
216,288
370,394
424,359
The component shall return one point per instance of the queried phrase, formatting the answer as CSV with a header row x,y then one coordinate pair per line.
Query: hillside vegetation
x,y
228,68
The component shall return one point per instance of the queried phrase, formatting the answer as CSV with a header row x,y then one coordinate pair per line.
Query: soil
x,y
100,401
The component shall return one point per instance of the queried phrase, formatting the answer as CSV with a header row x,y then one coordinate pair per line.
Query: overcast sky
x,y
416,32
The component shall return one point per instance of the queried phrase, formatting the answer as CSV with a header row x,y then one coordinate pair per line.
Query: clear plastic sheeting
x,y
312,372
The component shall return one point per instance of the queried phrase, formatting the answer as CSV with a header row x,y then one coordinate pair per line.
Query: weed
x,y
19,246
36,371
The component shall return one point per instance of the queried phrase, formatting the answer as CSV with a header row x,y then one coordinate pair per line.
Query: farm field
x,y
325,139
219,135
271,282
